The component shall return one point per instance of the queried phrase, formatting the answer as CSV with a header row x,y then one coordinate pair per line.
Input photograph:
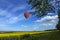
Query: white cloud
x,y
22,7
5,13
52,20
15,19
2,12
50,13
47,18
44,24
24,26
35,28
12,20
9,18
47,22
32,10
50,24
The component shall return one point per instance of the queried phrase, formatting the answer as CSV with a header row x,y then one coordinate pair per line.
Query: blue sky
x,y
12,17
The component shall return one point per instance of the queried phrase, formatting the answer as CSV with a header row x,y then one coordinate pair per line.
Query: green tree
x,y
45,6
58,25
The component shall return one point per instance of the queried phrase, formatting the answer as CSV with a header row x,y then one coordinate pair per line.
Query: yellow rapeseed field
x,y
20,33
16,34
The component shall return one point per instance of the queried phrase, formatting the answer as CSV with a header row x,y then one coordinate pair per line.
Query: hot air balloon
x,y
26,14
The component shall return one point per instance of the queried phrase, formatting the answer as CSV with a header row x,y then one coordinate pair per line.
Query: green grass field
x,y
34,35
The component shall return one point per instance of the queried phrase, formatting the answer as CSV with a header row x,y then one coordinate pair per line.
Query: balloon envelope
x,y
26,14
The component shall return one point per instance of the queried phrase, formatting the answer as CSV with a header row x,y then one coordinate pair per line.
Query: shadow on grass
x,y
42,36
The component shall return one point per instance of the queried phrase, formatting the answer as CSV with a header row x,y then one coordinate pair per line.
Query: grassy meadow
x,y
31,35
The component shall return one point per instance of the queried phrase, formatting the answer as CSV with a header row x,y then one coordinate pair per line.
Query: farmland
x,y
30,35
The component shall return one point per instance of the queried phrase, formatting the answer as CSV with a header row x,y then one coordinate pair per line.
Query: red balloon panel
x,y
26,14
